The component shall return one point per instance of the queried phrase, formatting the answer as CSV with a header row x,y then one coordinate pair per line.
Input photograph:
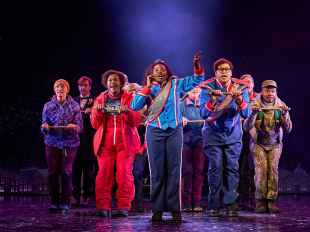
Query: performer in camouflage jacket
x,y
269,118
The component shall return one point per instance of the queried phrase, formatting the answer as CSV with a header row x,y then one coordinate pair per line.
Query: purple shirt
x,y
57,114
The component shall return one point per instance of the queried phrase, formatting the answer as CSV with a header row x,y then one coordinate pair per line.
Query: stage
x,y
31,214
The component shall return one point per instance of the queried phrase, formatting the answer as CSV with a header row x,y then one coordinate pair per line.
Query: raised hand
x,y
284,109
184,121
45,126
235,92
255,108
196,60
149,81
216,92
124,109
72,126
99,107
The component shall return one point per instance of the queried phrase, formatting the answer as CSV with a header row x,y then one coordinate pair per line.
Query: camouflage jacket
x,y
267,126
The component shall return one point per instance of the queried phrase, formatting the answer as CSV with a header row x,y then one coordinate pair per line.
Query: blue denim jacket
x,y
56,114
191,112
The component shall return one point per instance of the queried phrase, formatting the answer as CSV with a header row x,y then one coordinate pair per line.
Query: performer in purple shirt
x,y
61,124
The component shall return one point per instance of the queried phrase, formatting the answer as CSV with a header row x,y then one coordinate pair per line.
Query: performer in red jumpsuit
x,y
115,144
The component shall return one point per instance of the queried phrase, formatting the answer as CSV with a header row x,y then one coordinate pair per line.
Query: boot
x,y
272,207
157,217
261,206
120,213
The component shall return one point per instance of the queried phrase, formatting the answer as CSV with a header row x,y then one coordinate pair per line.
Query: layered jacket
x,y
129,122
227,128
266,127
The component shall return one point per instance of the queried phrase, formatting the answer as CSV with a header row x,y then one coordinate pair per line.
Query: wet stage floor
x,y
31,214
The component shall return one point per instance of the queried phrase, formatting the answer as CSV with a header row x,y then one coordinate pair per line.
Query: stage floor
x,y
30,214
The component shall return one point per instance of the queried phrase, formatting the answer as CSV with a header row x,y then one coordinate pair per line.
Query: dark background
x,y
41,41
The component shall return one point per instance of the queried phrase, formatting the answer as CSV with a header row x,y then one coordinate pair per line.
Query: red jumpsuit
x,y
115,144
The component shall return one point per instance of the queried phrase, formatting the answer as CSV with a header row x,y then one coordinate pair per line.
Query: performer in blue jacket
x,y
164,133
223,100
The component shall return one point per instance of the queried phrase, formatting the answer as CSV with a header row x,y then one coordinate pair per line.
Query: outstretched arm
x,y
188,83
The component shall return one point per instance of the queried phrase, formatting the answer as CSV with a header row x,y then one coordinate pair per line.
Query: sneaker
x,y
103,213
214,213
157,217
187,209
232,210
176,216
197,209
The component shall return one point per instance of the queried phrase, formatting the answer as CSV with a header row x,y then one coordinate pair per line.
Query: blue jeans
x,y
223,173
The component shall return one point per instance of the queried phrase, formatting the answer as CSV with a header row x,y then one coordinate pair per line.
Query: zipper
x,y
114,134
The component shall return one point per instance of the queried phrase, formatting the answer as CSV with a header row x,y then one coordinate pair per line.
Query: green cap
x,y
269,83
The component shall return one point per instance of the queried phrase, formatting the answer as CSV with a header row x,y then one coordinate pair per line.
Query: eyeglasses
x,y
224,69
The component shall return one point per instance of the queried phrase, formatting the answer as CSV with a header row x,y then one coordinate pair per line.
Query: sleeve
x,y
133,118
188,83
286,122
77,118
244,106
96,117
249,122
182,108
206,105
44,119
139,100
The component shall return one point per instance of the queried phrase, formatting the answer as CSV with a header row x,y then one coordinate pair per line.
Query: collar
x,y
115,97
68,99
227,87
84,97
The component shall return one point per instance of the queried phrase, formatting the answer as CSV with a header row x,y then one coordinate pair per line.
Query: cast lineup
x,y
168,128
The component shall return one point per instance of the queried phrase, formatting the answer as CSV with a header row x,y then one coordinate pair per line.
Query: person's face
x,y
61,91
194,94
269,94
114,84
223,73
159,73
250,83
84,88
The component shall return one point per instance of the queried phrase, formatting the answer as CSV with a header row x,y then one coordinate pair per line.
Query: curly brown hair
x,y
149,69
